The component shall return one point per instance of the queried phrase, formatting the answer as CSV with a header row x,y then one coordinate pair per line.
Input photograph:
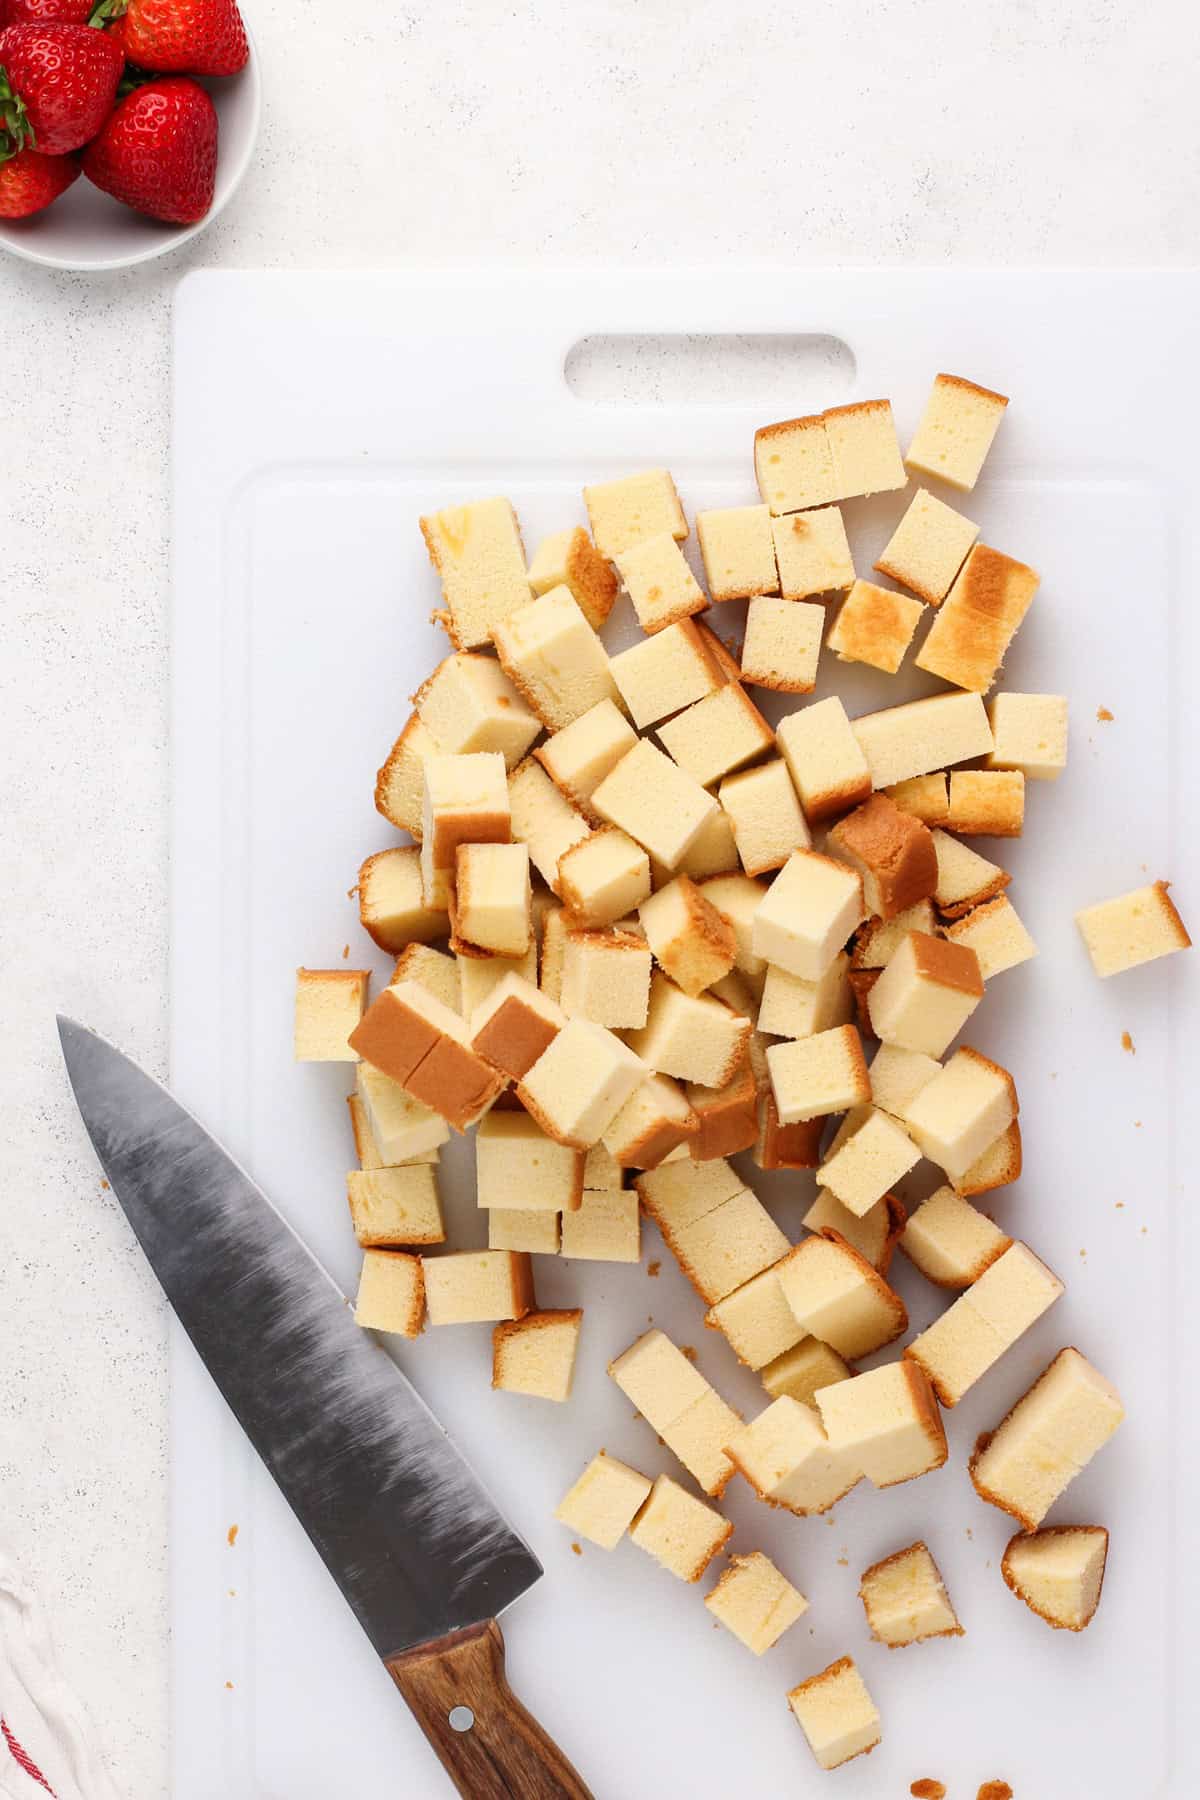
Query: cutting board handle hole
x,y
786,373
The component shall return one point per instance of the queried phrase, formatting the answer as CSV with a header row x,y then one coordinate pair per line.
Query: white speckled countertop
x,y
868,132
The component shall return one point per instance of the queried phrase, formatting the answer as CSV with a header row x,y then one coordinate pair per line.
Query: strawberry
x,y
57,86
46,12
158,151
176,37
29,181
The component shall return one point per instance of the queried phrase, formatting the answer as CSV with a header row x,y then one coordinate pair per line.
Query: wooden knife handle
x,y
505,1754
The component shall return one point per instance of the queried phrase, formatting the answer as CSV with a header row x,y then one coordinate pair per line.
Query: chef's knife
x,y
402,1524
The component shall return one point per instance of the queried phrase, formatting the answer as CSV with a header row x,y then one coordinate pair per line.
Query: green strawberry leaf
x,y
16,133
107,10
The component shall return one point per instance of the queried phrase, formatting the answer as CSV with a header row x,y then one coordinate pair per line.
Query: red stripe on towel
x,y
20,1757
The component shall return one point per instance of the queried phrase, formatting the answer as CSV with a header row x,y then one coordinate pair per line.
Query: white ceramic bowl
x,y
90,231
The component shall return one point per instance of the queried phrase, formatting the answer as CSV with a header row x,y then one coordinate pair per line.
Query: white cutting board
x,y
316,417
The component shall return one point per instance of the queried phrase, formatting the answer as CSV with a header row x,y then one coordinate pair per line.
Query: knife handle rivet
x,y
461,1718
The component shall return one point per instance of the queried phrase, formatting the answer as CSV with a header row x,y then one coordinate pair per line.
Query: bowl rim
x,y
173,240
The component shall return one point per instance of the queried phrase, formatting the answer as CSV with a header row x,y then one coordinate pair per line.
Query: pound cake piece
x,y
603,878
973,1334
544,820
606,1228
926,797
865,451
978,620
965,879
478,554
1059,1573
468,704
727,1116
996,1167
754,1601
514,1025
794,1008
626,512
782,648
1030,734
802,1371
554,659
926,994
518,1166
491,902
739,557
897,1077
654,1121
391,899
1049,1437
1133,929
693,1037
655,574
956,431
928,547
680,1405
950,1241
905,1599
395,1206
874,626
873,1235
838,1297
580,1082
813,553
886,1422
329,1005
476,1286
836,1714
825,759
958,1115
666,672
606,978
788,1461
536,1355
679,1531
693,942
793,463
400,783
824,1073
877,941
570,559
756,1320
410,1036
765,815
891,851
717,735
578,757
655,802
922,735
996,935
466,802
808,912
986,803
391,1293
604,1502
867,1163
402,1130
434,970
523,1228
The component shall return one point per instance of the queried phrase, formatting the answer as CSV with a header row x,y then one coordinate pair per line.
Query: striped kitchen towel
x,y
47,1746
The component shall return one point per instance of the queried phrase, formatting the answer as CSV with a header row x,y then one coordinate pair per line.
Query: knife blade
x,y
404,1526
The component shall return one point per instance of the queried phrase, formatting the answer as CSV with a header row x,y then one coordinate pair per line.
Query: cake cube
x,y
712,851
766,817
602,1173
812,553
838,1297
402,1129
794,1008
956,431
478,554
490,908
570,559
578,757
604,877
727,1116
518,1167
727,1247
908,740
580,1083
978,620
874,625
780,1146
400,783
691,940
804,1370
514,1025
996,935
667,672
836,1714
1049,1437
626,512
329,1005
789,1462
658,580
655,1120
395,1206
756,1320
887,1422
391,900
524,1228
680,1193
824,1073
984,1322
892,852
994,1167
905,1599
755,1602
965,879
873,1233
824,759
606,1228
962,1111
866,453
544,820
469,704
950,1241
466,802
554,659
471,1287
391,1293
926,994
928,547
1133,929
739,557
717,735
606,977
879,939
1029,733
676,1402
809,911
408,1034
873,1158
679,1531
692,1037
604,1501
1058,1573
986,803
926,797
433,969
536,1355
793,463
898,1076
655,802
737,898
782,647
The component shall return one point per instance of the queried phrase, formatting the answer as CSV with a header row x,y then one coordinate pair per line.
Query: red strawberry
x,y
177,37
46,12
57,86
158,152
29,181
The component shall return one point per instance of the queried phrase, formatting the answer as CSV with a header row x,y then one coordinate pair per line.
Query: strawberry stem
x,y
16,133
107,10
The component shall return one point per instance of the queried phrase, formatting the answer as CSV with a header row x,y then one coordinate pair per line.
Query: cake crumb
x,y
1145,1230
345,952
229,1685
830,1519
995,1790
1137,1124
231,1536
928,1789
1120,1205
970,1534
105,1187
653,1268
233,1593
843,1562
1083,1253
689,1350
578,1549
1127,1043
1105,718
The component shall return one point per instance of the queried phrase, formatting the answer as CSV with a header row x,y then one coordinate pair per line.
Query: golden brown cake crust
x,y
950,965
507,1329
1176,923
838,800
888,1562
990,891
1026,1522
897,1219
789,1146
383,782
895,847
514,1037
1024,1537
972,387
729,1122
861,982
783,427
